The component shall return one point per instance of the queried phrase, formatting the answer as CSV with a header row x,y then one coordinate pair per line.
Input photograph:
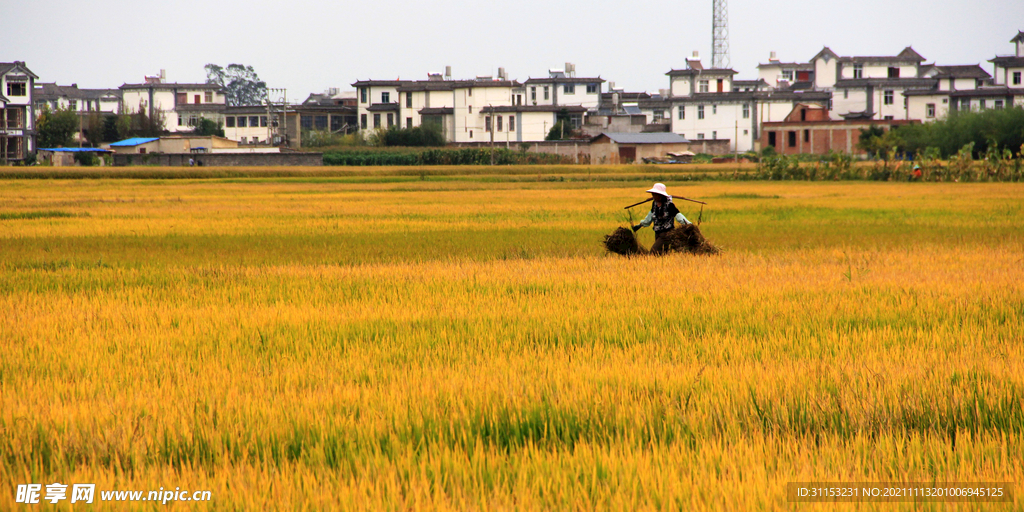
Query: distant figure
x,y
191,162
663,215
916,175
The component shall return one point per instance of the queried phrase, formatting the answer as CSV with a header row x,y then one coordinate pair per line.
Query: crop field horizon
x,y
327,343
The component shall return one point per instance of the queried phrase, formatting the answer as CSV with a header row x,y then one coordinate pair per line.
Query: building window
x,y
229,121
242,121
385,97
263,121
703,86
714,135
682,112
209,96
945,101
391,119
830,103
408,100
471,134
181,120
546,95
305,122
714,109
965,104
376,121
487,123
511,123
888,118
700,111
254,121
408,122
887,99
73,104
533,93
746,111
499,123
929,110
337,122
321,122
700,136
362,94
981,104
807,135
792,138
858,71
470,92
894,72
362,121
787,74
745,132
1016,78
592,88
569,88
16,89
998,104
471,109
771,139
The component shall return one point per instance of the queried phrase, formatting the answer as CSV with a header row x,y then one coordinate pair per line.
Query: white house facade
x,y
17,111
180,105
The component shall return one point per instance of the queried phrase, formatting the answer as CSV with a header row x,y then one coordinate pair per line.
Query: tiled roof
x,y
169,85
1008,61
885,82
702,72
6,67
381,83
987,92
439,111
967,71
805,66
565,80
534,108
383,107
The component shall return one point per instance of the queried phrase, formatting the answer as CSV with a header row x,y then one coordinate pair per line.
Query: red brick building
x,y
808,129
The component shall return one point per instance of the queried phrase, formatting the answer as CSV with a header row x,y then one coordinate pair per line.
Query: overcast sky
x,y
308,46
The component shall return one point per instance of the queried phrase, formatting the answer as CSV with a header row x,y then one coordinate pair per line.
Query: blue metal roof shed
x,y
136,141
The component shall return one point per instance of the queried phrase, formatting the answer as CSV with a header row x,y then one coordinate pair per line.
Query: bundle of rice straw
x,y
623,241
688,238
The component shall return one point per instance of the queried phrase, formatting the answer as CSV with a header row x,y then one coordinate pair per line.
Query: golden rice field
x,y
331,344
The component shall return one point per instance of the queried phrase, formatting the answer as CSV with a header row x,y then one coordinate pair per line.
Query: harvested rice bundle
x,y
623,241
688,238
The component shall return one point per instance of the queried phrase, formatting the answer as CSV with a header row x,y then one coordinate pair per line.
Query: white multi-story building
x,y
83,101
711,104
480,110
180,105
17,116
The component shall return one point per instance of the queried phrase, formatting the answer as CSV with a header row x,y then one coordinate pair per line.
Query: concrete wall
x,y
917,107
222,160
579,150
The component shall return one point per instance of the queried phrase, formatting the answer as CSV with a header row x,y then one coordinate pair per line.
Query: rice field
x,y
327,343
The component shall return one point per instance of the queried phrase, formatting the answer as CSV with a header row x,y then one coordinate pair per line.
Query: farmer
x,y
663,215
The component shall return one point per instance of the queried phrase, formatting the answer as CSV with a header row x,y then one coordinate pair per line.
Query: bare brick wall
x,y
221,159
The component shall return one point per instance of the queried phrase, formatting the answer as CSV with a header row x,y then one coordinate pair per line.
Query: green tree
x,y
562,130
57,128
241,84
208,127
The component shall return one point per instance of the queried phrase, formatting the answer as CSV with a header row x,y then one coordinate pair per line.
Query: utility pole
x,y
490,127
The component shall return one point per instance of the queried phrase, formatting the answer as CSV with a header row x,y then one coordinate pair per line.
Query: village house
x,y
708,104
17,111
810,129
180,106
83,101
